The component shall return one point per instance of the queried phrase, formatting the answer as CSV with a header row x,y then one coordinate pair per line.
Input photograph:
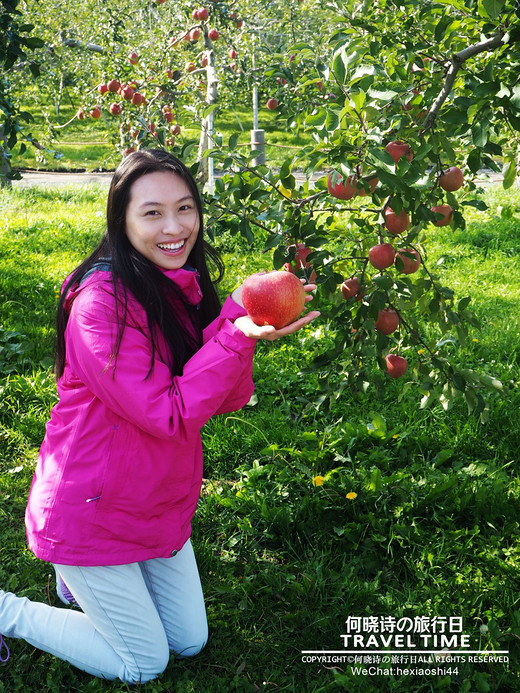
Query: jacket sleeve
x,y
216,377
230,311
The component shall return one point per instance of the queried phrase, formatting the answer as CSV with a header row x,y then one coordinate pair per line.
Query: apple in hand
x,y
405,263
381,256
396,223
447,214
387,321
273,298
396,366
397,149
451,179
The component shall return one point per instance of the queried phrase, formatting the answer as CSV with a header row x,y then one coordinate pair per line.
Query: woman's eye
x,y
152,213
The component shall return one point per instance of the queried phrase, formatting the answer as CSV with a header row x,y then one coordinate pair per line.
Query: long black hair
x,y
134,273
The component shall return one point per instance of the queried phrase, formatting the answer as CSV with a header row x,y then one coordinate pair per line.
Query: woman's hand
x,y
268,332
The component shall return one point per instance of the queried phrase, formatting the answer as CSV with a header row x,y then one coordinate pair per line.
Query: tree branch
x,y
457,61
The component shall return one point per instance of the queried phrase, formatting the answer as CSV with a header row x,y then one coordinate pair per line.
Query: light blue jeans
x,y
132,617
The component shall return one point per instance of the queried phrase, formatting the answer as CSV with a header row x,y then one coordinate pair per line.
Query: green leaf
x,y
480,132
493,8
509,172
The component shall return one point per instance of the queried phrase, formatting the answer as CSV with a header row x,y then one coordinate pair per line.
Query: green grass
x,y
434,529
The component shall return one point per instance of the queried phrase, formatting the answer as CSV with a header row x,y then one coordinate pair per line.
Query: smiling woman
x,y
146,357
162,220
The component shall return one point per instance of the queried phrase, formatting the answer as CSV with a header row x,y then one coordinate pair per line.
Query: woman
x,y
145,357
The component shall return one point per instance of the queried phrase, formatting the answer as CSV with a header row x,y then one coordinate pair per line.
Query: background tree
x,y
14,43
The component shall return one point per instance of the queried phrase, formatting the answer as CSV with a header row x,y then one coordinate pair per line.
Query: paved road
x,y
50,178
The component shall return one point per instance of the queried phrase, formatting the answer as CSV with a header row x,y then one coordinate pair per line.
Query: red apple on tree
x,y
195,34
396,223
115,109
133,58
113,85
397,149
343,191
213,34
351,287
396,365
81,115
272,104
387,321
126,92
300,255
232,53
95,112
447,214
202,14
451,179
273,298
407,260
381,256
102,88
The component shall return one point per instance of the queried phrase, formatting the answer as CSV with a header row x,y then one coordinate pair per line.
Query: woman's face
x,y
162,221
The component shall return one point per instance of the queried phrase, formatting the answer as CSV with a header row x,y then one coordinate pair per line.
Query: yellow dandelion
x,y
475,340
352,495
421,351
396,435
318,480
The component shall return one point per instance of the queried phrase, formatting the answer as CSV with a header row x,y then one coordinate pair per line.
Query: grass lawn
x,y
370,508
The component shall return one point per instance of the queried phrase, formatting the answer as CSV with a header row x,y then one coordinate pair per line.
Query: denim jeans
x,y
132,617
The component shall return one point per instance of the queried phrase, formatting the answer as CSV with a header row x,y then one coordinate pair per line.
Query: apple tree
x,y
405,102
15,45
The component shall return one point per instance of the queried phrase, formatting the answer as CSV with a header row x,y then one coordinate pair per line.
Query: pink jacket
x,y
120,468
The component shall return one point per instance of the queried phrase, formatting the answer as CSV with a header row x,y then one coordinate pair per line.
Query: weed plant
x,y
309,514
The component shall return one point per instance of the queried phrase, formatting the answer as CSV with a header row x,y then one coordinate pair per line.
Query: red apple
x,y
343,191
126,92
351,287
213,34
81,115
168,116
175,129
102,88
203,14
189,67
133,58
397,149
137,98
396,366
232,53
273,298
300,256
396,223
372,185
387,321
115,108
451,179
447,214
195,14
95,112
113,85
195,34
272,104
381,256
405,263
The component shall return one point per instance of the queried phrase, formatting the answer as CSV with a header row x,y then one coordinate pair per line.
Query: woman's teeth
x,y
170,246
